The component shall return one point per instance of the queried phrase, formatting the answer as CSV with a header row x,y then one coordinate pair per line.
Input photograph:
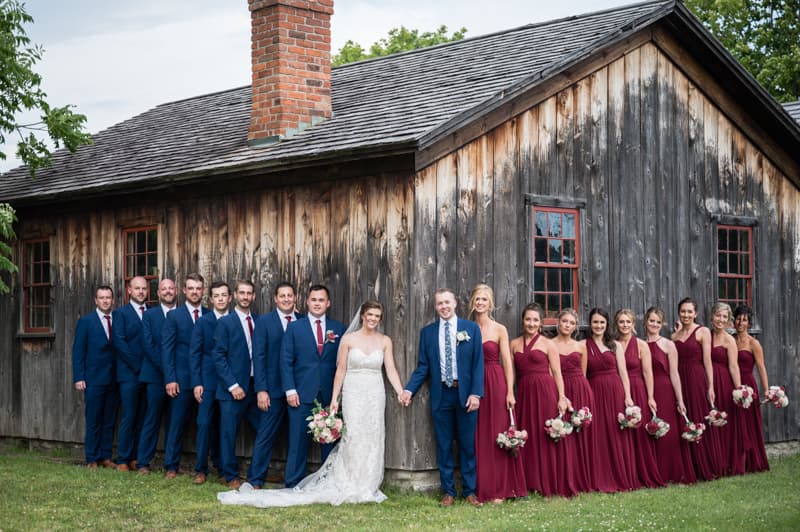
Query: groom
x,y
308,364
451,354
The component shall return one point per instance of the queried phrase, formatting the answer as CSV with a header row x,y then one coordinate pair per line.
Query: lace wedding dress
x,y
353,471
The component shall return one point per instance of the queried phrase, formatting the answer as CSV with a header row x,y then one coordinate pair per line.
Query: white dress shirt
x,y
105,324
313,322
191,310
246,329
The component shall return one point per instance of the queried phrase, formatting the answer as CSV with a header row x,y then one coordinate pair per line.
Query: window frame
x,y
152,279
748,278
28,286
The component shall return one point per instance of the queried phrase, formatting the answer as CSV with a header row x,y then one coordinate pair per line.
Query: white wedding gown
x,y
353,472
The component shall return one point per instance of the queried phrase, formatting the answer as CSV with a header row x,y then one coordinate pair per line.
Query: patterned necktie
x,y
319,337
448,356
197,316
108,324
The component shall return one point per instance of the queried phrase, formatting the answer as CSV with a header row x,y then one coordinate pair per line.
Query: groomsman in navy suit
x,y
308,364
93,374
270,329
129,349
233,358
175,340
204,381
451,355
152,374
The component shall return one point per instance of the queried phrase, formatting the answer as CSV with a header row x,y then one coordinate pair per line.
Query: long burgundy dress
x,y
755,455
695,386
672,452
578,473
643,443
729,437
500,475
537,401
613,461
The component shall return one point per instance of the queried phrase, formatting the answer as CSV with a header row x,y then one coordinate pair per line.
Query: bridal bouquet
x,y
743,396
777,396
512,439
324,426
692,432
557,428
717,418
631,418
581,418
656,427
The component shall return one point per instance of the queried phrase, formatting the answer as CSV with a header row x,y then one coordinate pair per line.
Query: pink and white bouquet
x,y
631,419
557,428
512,439
692,432
580,418
324,426
777,396
743,396
656,427
717,418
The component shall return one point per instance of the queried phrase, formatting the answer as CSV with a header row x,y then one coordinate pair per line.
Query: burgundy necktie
x,y
108,324
288,319
141,312
197,317
319,336
250,326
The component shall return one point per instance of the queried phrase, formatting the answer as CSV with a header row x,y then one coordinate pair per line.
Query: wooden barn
x,y
620,158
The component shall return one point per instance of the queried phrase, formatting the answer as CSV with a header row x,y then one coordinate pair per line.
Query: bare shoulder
x,y
386,341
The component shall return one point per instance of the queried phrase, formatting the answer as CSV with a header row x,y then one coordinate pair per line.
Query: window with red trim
x,y
735,264
556,257
140,257
36,286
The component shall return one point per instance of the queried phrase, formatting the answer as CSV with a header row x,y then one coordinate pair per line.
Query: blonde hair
x,y
719,307
625,312
474,294
572,312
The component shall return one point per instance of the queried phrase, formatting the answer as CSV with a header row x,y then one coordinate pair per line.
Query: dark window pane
x,y
569,225
539,298
152,245
744,264
553,301
538,279
733,240
744,240
569,252
152,267
129,266
141,266
566,301
722,234
555,224
141,241
130,243
733,263
553,284
541,223
723,263
566,280
46,272
722,288
541,250
555,251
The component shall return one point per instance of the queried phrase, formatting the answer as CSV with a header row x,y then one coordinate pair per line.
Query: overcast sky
x,y
114,59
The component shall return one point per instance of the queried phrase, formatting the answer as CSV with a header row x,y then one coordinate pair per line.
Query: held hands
x,y
473,403
173,389
262,398
198,394
238,393
404,397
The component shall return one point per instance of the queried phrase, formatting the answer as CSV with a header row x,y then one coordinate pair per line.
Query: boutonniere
x,y
330,337
462,336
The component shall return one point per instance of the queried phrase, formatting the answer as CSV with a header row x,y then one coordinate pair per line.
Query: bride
x,y
353,471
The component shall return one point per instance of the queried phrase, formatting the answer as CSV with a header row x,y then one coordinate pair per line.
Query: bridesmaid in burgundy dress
x,y
540,394
577,474
500,474
693,343
751,355
614,460
672,452
725,359
640,376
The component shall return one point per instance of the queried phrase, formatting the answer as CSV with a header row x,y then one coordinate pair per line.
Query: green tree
x,y
763,35
399,39
7,219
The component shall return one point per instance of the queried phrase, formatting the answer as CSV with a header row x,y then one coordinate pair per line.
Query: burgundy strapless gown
x,y
729,437
672,452
613,461
500,474
643,444
537,401
578,473
755,455
695,386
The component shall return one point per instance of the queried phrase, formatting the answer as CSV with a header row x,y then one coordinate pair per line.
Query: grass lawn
x,y
45,490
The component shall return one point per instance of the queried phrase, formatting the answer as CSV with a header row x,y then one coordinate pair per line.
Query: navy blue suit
x,y
311,374
152,375
267,378
204,373
93,362
175,340
450,417
129,350
233,362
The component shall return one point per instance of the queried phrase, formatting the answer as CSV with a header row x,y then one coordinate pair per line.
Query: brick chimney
x,y
291,58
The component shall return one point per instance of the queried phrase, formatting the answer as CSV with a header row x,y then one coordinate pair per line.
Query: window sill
x,y
36,335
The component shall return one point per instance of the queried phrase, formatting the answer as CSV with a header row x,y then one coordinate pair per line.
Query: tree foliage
x,y
7,219
399,39
763,35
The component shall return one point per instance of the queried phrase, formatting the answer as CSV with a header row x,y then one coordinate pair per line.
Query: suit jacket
x,y
267,342
175,339
92,354
152,330
302,367
231,356
469,360
201,357
128,343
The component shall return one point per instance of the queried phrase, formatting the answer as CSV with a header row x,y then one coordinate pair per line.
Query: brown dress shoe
x,y
92,465
447,500
200,478
108,463
472,500
235,484
169,475
222,481
123,467
144,470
